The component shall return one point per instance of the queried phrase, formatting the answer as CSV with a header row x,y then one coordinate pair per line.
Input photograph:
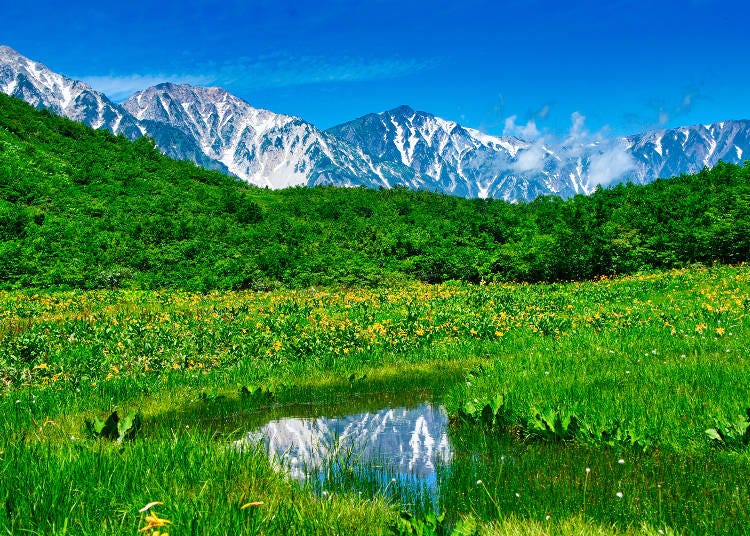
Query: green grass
x,y
700,493
659,356
91,487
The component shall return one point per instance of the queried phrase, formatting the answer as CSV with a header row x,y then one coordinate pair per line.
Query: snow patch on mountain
x,y
259,146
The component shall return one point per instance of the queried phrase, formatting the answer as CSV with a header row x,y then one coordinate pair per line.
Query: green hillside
x,y
85,209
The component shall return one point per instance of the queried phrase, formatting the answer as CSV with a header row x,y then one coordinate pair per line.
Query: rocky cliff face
x,y
259,146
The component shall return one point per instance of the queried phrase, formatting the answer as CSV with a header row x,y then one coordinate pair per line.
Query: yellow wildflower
x,y
153,521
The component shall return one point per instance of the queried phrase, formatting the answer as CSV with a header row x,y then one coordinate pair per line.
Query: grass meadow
x,y
606,407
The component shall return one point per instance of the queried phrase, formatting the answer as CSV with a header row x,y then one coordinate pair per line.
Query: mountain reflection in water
x,y
407,442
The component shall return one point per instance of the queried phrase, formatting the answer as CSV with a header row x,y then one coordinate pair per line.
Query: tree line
x,y
81,208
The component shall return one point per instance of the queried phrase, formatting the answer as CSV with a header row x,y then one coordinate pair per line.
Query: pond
x,y
385,442
401,445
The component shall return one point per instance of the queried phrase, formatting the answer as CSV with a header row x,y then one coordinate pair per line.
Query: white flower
x,y
479,482
620,461
619,494
588,469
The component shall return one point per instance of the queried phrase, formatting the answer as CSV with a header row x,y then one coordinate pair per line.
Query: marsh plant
x,y
733,433
114,427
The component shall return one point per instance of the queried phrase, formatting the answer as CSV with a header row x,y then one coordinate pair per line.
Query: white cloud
x,y
525,132
610,164
608,158
530,159
577,119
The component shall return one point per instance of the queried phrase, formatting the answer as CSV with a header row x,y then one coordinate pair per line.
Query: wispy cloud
x,y
119,88
661,112
612,162
681,109
281,70
268,72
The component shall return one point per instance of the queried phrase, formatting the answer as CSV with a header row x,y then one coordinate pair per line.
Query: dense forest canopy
x,y
83,208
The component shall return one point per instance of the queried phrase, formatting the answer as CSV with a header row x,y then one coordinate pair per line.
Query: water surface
x,y
400,445
389,437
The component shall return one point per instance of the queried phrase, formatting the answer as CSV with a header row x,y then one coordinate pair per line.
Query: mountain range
x,y
415,149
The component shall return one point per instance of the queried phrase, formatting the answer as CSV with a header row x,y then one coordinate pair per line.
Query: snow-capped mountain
x,y
666,153
39,86
445,156
215,129
36,84
449,158
261,147
405,441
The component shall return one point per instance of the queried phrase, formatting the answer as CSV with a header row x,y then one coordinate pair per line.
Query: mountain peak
x,y
172,87
5,50
167,86
404,109
39,86
261,147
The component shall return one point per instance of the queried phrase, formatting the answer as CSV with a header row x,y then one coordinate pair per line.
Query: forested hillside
x,y
83,208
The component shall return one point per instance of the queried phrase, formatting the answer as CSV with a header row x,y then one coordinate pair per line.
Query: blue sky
x,y
516,67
